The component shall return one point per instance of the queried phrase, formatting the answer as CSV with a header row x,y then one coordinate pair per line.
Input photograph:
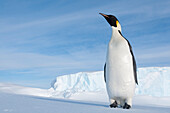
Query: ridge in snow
x,y
154,81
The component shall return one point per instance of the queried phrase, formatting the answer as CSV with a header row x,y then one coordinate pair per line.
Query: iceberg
x,y
67,85
153,81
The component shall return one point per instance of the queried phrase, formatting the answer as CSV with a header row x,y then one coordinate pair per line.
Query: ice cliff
x,y
154,81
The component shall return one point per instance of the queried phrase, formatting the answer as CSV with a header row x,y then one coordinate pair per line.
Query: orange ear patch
x,y
117,23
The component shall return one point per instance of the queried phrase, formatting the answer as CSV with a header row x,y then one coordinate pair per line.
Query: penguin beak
x,y
104,15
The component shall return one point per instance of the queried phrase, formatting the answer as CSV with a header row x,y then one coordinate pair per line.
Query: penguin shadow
x,y
72,101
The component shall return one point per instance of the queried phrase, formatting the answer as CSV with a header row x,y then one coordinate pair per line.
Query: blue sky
x,y
42,39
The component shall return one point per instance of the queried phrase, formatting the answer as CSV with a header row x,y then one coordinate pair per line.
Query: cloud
x,y
153,56
74,61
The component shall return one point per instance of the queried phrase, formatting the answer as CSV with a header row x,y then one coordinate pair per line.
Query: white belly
x,y
119,70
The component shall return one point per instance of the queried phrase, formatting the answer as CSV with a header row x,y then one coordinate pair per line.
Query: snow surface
x,y
82,103
16,89
153,81
85,92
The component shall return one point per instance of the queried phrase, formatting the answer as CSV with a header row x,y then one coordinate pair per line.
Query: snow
x,y
16,89
13,103
85,92
153,81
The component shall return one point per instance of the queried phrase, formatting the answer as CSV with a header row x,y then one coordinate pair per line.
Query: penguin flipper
x,y
133,58
105,72
134,68
134,63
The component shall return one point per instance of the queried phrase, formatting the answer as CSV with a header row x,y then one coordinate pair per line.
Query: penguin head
x,y
112,20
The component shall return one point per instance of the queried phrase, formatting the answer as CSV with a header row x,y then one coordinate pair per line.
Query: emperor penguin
x,y
120,71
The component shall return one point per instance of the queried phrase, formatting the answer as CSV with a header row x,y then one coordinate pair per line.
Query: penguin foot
x,y
126,106
113,105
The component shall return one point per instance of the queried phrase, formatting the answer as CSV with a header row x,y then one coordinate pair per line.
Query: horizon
x,y
42,39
